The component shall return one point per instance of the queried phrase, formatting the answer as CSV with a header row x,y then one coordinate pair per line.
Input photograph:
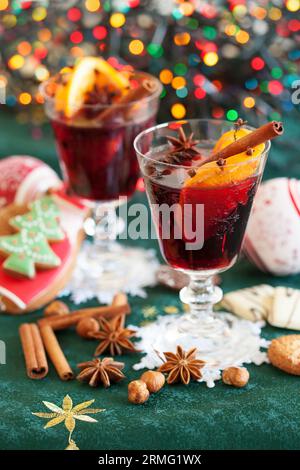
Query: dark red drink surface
x,y
100,163
226,212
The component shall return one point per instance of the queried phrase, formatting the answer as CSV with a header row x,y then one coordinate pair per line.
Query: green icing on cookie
x,y
43,218
25,250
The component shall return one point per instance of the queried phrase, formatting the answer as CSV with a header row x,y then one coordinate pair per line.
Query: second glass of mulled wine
x,y
200,209
96,111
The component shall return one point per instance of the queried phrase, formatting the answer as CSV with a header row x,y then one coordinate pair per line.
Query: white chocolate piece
x,y
253,303
286,308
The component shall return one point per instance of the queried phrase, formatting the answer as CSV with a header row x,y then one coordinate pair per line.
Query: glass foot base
x,y
222,340
102,271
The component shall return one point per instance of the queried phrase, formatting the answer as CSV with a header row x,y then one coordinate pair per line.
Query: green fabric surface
x,y
264,415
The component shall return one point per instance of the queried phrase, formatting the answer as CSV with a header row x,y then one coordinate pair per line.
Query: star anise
x,y
101,96
182,366
99,371
183,146
114,336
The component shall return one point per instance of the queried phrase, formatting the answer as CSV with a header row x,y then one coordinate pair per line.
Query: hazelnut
x,y
236,376
154,380
56,308
86,327
137,392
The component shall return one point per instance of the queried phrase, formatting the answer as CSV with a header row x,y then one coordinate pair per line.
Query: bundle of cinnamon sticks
x,y
39,339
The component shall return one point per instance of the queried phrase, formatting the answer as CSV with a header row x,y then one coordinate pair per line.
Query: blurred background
x,y
222,59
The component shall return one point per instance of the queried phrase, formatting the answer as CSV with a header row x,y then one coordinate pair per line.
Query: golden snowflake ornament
x,y
68,414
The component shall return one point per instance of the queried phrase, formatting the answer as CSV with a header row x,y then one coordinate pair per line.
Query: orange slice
x,y
237,168
83,79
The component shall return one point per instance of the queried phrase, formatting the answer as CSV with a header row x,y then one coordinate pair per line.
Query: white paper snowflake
x,y
102,273
222,341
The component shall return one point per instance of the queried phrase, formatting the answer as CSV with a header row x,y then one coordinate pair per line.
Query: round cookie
x,y
284,353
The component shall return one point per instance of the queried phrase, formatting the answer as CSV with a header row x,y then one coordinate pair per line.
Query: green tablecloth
x,y
266,414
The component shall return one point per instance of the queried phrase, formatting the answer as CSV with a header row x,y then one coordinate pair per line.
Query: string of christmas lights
x,y
213,58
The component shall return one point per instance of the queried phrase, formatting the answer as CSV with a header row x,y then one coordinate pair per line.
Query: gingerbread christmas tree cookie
x,y
42,218
25,251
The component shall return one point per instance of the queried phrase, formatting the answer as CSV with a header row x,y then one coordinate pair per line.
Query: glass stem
x,y
103,225
201,294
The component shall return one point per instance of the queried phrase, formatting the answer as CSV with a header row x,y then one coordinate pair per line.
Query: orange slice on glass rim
x,y
237,168
83,79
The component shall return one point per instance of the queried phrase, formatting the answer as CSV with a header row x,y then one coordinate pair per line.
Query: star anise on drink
x,y
183,146
102,371
182,366
114,336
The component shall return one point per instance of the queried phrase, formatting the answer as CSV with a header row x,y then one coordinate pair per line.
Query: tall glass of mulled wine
x,y
96,112
200,210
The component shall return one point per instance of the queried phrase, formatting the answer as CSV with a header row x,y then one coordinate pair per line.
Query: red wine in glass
x,y
99,162
226,212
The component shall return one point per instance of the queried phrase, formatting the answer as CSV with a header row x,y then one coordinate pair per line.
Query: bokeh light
x,y
182,92
9,21
16,62
257,63
3,4
249,102
275,14
74,14
117,20
200,93
293,5
136,47
199,80
180,69
39,14
275,87
166,76
44,34
178,111
25,98
217,112
178,82
42,73
242,37
232,115
92,5
186,8
76,52
24,48
239,10
100,32
190,45
76,37
210,59
231,30
182,39
155,50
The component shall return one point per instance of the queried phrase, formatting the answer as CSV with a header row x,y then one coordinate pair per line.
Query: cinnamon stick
x,y
258,136
145,89
34,352
55,353
62,322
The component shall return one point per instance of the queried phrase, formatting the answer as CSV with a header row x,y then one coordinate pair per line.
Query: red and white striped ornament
x,y
272,240
24,178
